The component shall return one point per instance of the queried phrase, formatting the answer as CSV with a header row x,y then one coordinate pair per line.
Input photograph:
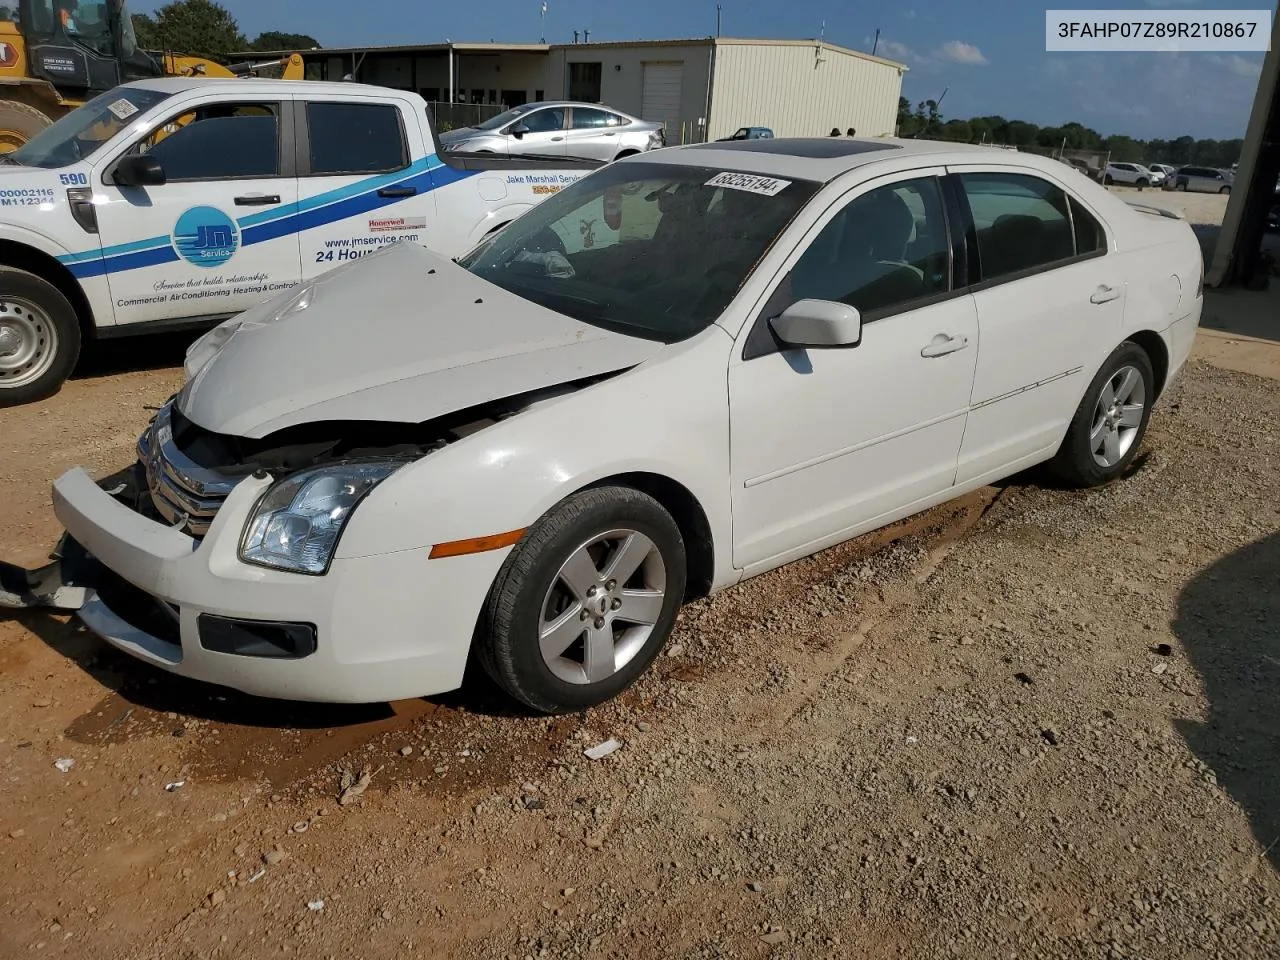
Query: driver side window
x,y
222,141
543,121
887,249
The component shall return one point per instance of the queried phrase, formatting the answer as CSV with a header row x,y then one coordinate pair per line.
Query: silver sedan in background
x,y
559,129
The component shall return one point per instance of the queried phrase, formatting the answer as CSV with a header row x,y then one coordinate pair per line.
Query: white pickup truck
x,y
179,202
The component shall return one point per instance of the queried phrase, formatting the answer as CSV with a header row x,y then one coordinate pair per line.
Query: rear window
x,y
355,138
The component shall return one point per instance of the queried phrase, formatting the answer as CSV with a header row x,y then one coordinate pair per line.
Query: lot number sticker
x,y
749,182
122,109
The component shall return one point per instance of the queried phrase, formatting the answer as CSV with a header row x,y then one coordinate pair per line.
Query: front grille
x,y
184,493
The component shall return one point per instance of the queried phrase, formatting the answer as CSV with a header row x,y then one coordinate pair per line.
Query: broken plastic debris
x,y
352,789
176,785
301,826
315,905
602,750
1160,668
259,875
64,764
913,739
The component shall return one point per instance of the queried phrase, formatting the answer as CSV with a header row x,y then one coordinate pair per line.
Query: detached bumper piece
x,y
63,584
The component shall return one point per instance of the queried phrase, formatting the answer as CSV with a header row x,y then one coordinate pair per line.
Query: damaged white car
x,y
686,369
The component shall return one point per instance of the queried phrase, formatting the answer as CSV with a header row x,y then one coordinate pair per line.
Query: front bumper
x,y
387,627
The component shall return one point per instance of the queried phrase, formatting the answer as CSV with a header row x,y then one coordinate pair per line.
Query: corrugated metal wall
x,y
788,88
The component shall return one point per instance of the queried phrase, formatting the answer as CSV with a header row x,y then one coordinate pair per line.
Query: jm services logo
x,y
206,237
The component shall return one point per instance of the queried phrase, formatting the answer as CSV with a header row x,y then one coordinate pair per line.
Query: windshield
x,y
82,131
502,119
650,250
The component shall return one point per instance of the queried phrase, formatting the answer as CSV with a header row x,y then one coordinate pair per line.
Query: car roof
x,y
822,159
255,86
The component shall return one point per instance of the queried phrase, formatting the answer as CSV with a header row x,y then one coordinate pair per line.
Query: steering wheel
x,y
548,240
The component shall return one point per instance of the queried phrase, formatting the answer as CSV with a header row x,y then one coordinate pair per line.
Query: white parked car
x,y
1203,180
1166,169
587,131
683,370
1134,174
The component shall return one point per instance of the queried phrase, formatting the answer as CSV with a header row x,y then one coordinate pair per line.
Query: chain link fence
x,y
447,116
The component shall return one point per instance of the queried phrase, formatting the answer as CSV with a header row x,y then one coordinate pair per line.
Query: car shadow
x,y
1228,624
1247,313
156,351
141,685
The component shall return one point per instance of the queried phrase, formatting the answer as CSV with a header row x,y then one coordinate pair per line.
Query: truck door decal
x,y
425,175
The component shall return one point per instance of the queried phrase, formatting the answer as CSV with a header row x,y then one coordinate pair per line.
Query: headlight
x,y
296,524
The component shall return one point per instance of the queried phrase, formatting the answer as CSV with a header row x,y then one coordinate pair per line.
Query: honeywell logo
x,y
387,224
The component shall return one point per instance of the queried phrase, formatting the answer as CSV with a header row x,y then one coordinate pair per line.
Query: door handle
x,y
557,138
1104,294
942,344
398,191
257,200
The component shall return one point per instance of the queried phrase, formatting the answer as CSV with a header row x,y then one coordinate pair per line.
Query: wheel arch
x,y
1157,352
689,516
21,256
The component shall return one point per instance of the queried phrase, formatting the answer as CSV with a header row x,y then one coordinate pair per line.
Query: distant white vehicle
x,y
1167,169
1203,180
1134,174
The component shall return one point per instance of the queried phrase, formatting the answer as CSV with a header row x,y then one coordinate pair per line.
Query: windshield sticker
x,y
122,109
767,186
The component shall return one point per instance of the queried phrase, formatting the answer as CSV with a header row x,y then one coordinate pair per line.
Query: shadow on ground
x,y
1228,622
156,351
1248,313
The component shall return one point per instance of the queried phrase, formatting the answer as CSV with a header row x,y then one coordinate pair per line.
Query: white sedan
x,y
684,370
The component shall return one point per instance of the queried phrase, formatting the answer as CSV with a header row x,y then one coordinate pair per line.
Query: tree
x,y
958,131
198,27
1126,149
144,29
1022,134
275,40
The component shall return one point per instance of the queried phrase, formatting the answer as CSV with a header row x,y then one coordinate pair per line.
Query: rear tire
x,y
19,123
39,337
585,601
1111,421
1226,190
1107,181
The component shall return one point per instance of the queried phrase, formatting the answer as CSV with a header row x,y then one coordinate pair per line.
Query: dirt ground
x,y
1031,723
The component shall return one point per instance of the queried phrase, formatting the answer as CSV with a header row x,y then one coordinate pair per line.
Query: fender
x,y
494,218
94,291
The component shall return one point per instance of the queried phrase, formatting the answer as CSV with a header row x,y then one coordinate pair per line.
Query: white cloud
x,y
910,14
894,50
957,51
1238,65
953,52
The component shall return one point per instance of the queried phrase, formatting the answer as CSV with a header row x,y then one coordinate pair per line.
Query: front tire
x,y
39,338
1107,181
1225,190
1108,426
585,600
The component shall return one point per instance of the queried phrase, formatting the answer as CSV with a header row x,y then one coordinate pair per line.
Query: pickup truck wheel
x,y
585,601
1108,426
39,337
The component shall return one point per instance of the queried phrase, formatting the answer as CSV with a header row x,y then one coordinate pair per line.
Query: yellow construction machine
x,y
56,54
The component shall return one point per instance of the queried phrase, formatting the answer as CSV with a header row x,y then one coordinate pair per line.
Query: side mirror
x,y
139,171
519,130
818,323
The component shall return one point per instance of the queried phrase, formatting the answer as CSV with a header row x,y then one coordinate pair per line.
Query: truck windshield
x,y
82,131
647,249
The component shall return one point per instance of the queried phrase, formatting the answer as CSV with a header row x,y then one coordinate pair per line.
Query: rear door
x,y
1050,296
593,134
205,243
359,188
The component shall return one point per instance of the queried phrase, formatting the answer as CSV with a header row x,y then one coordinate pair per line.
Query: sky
x,y
988,55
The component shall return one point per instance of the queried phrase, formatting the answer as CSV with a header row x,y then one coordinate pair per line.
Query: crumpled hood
x,y
403,335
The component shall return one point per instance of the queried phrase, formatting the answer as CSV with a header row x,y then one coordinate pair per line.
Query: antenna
x,y
877,42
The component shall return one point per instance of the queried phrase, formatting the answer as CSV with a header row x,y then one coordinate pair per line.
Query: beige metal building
x,y
701,88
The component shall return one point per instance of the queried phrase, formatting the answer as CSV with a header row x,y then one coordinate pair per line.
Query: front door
x,y
1050,308
826,442
203,243
544,133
